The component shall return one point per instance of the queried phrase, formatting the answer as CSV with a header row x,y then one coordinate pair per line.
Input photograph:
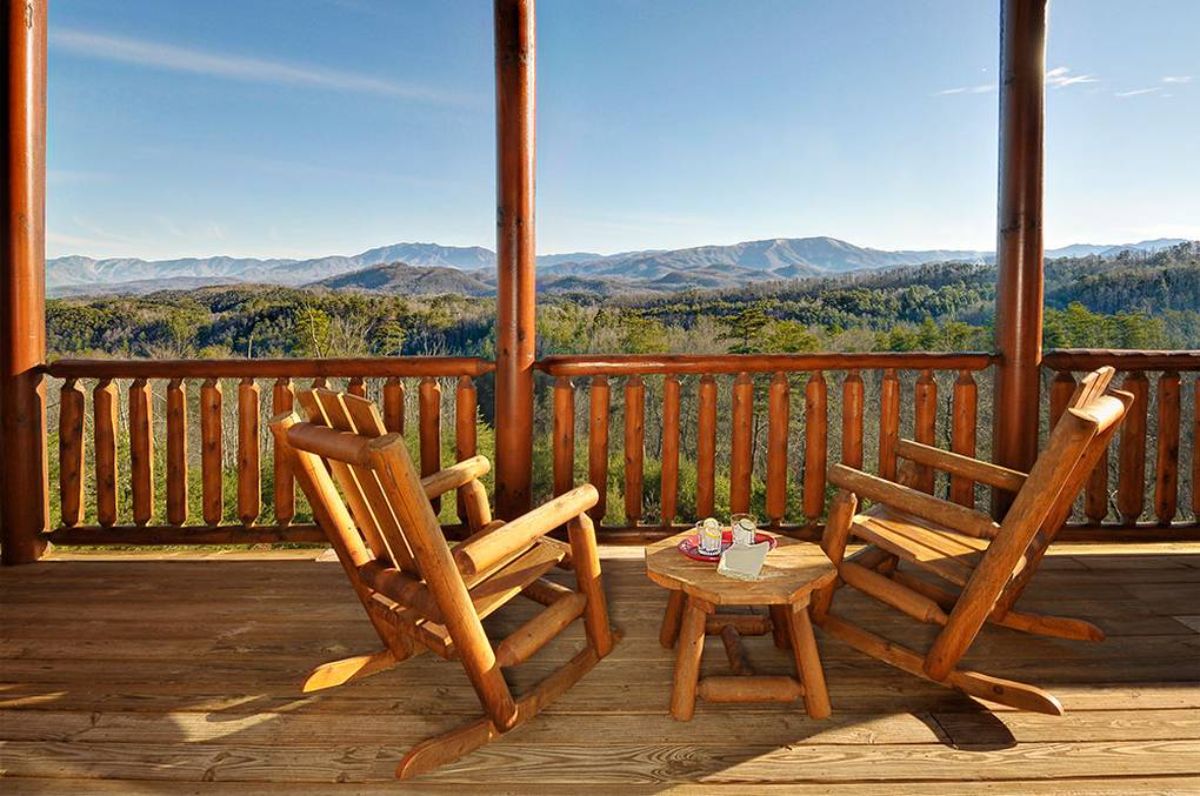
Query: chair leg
x,y
981,686
586,559
780,625
335,673
668,632
450,746
1055,626
808,663
687,659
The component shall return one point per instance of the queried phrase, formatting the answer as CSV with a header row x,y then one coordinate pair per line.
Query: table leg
x,y
669,632
687,659
780,622
808,663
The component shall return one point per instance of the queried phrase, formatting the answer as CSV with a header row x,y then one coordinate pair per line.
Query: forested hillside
x,y
1134,300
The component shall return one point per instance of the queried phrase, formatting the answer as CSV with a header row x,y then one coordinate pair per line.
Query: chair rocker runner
x,y
418,591
984,567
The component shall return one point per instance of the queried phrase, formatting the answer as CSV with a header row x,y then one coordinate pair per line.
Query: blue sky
x,y
308,127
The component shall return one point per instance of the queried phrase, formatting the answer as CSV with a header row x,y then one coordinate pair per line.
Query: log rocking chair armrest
x,y
913,502
455,476
955,463
482,551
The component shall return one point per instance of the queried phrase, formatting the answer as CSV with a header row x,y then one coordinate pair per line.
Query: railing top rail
x,y
643,364
1071,359
365,367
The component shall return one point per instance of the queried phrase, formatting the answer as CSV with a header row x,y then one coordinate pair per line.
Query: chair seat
x,y
946,553
501,586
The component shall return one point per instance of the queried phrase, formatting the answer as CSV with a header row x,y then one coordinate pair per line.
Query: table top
x,y
792,570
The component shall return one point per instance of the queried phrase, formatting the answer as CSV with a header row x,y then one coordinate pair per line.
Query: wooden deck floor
x,y
178,675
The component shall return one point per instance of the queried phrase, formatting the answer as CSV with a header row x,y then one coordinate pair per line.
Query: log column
x,y
24,508
515,253
1019,289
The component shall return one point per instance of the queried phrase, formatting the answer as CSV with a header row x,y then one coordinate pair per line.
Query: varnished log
x,y
564,435
1166,469
466,421
706,447
852,420
962,435
1061,390
701,364
668,631
249,493
752,688
741,453
778,411
177,453
598,402
670,450
141,451
357,386
687,659
925,423
886,590
734,651
70,452
104,409
635,419
1195,455
393,405
744,624
808,663
816,446
430,420
317,369
1131,483
585,557
211,452
282,400
889,423
526,640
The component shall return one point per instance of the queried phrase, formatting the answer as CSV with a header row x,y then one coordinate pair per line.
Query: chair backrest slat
x,y
345,412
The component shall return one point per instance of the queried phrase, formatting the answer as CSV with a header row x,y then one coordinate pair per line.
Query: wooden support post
x,y
24,507
1020,278
515,36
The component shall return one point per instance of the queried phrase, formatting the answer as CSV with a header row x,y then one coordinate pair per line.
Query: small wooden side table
x,y
791,573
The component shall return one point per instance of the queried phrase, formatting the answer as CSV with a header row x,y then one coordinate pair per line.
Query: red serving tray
x,y
690,546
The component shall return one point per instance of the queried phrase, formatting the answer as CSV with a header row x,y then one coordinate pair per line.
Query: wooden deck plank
x,y
177,674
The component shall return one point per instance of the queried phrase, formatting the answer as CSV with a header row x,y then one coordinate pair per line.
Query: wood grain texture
x,y
598,420
70,452
177,452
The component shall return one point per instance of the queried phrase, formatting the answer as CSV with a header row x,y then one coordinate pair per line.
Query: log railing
x,y
755,433
177,415
1146,480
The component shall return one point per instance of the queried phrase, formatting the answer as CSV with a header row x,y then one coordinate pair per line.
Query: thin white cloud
x,y
1177,79
1137,92
155,54
983,88
1061,77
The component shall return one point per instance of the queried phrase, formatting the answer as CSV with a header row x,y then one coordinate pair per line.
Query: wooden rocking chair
x,y
418,591
989,563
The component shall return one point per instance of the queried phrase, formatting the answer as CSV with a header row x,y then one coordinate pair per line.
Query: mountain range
x,y
470,270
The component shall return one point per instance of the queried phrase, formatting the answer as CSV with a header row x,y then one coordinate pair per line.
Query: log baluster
x,y
816,446
741,462
962,434
1131,483
466,443
1095,494
778,418
889,423
70,452
393,405
320,383
177,453
852,420
635,420
598,403
104,408
1166,470
706,447
1061,390
925,424
249,474
357,386
670,450
564,435
141,451
429,413
1195,452
283,398
212,486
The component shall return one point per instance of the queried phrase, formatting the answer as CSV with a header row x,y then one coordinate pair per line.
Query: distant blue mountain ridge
x,y
740,263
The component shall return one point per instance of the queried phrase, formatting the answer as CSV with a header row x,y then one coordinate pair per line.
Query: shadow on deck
x,y
180,675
